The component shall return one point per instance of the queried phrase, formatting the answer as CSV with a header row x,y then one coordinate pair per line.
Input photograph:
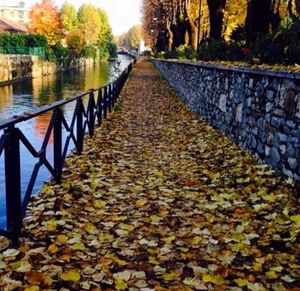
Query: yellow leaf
x,y
295,218
257,267
118,218
215,279
71,275
195,240
62,239
241,282
104,236
270,198
90,228
184,250
78,247
159,174
155,218
168,240
211,174
32,288
51,225
192,282
120,284
48,280
65,257
127,227
53,249
141,202
271,275
171,276
100,204
15,265
153,260
23,249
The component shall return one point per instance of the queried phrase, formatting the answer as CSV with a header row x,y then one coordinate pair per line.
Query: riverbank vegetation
x,y
254,32
63,34
131,39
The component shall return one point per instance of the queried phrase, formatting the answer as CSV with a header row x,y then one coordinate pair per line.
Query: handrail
x,y
46,108
100,104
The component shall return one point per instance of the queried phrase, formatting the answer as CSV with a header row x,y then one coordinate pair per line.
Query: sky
x,y
123,14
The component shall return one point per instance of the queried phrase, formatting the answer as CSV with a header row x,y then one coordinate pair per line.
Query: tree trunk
x,y
216,13
179,30
258,19
170,36
193,34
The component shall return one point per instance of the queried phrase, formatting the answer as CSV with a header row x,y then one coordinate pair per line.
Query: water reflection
x,y
31,94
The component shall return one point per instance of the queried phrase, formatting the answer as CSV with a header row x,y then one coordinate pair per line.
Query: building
x,y
10,26
16,13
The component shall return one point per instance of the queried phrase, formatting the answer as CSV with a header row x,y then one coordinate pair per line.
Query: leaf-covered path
x,y
158,201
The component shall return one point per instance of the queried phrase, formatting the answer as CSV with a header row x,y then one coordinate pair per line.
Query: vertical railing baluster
x,y
99,106
105,102
90,114
109,97
79,126
57,144
13,183
112,95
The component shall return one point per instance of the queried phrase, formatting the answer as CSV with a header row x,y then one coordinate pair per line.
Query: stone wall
x,y
18,67
259,109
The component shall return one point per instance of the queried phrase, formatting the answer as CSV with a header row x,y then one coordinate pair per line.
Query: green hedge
x,y
19,43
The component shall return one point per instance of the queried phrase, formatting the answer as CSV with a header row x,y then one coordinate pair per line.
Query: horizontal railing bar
x,y
43,109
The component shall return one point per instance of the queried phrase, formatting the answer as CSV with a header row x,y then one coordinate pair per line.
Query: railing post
x,y
114,94
105,102
109,97
90,114
57,145
79,125
13,183
99,106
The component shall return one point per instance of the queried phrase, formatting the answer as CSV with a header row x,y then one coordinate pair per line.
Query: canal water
x,y
31,94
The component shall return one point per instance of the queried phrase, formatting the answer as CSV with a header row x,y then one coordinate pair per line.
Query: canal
x,y
28,95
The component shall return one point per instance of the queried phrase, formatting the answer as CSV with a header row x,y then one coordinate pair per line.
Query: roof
x,y
8,25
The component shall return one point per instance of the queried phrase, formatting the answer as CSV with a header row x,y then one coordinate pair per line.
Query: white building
x,y
17,13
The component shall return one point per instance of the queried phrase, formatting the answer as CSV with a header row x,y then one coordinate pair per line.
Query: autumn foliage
x,y
45,20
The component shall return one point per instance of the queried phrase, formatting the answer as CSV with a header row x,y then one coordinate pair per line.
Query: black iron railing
x,y
85,118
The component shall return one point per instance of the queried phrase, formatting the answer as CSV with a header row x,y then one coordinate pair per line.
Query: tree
x,y
135,36
258,18
69,17
90,23
75,41
131,38
216,14
45,20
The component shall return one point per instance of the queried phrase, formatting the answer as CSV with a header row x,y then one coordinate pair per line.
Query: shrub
x,y
75,41
238,35
186,52
171,55
282,47
112,49
89,52
268,50
211,50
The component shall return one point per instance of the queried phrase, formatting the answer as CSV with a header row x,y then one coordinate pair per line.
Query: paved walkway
x,y
158,201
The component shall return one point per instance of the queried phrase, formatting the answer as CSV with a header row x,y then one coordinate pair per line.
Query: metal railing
x,y
84,119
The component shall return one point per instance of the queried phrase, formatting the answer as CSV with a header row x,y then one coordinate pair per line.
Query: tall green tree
x,y
90,23
69,17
